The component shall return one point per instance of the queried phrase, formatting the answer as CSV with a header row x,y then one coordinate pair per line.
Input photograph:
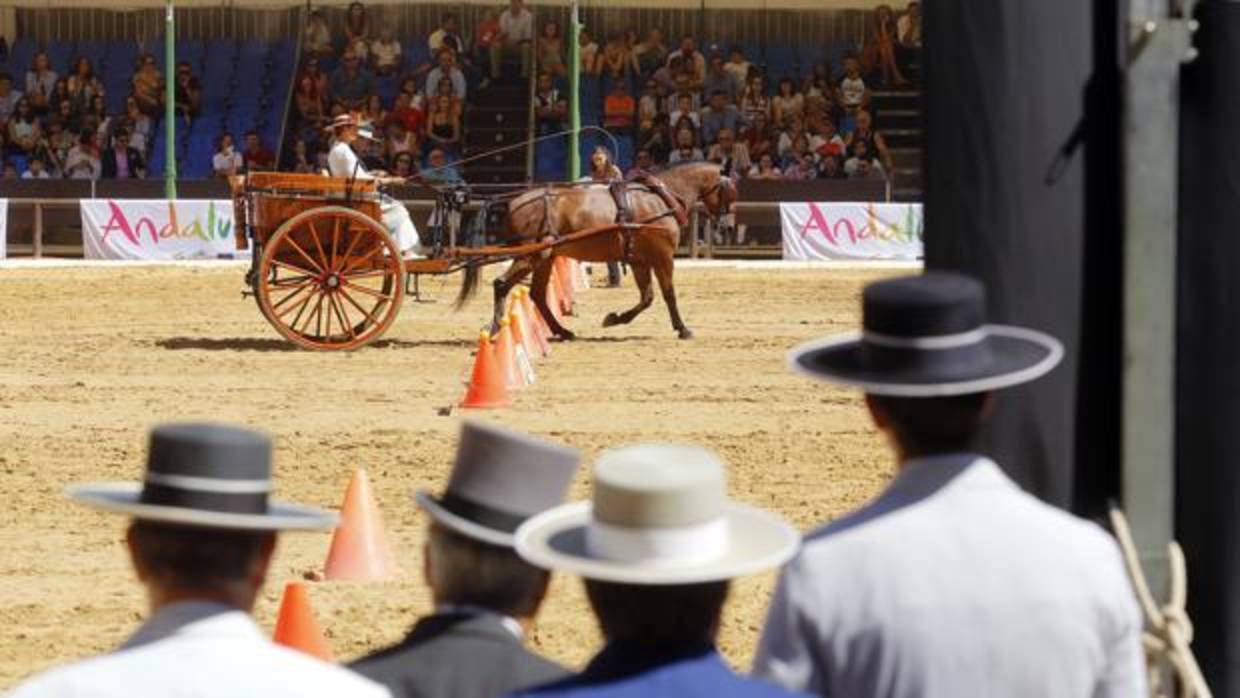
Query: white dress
x,y
343,162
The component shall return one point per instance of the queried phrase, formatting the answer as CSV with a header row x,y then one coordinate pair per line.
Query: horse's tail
x,y
469,286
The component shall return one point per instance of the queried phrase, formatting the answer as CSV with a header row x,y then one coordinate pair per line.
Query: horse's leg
x,y
663,271
542,277
641,274
503,284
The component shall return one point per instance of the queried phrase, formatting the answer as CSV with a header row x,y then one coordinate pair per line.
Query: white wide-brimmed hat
x,y
209,475
660,515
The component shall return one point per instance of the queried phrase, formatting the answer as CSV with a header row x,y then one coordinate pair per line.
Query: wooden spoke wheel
x,y
330,278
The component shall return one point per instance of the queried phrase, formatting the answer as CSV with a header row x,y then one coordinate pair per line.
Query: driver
x,y
343,162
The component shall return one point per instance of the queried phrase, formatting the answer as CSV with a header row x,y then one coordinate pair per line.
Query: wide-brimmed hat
x,y
926,336
209,475
660,515
500,479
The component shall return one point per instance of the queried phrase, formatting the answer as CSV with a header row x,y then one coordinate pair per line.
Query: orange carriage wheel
x,y
330,278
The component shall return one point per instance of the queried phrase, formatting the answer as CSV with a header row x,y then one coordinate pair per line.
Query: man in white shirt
x,y
446,69
201,540
516,27
342,161
227,161
447,33
385,53
952,582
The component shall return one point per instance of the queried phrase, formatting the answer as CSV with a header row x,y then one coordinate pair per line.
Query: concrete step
x,y
902,137
497,117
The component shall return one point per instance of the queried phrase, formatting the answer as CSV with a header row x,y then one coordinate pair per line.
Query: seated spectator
x,y
908,34
801,166
97,117
9,97
686,149
140,125
791,131
370,153
408,115
148,86
356,24
879,52
650,104
615,60
683,87
317,37
602,167
693,60
727,148
445,90
398,140
660,607
619,109
302,161
446,69
875,143
484,594
310,101
587,53
642,162
257,157
754,102
516,31
718,79
486,36
852,93
35,169
385,53
40,81
818,82
24,129
200,541
798,148
787,102
650,54
738,66
59,141
122,161
311,70
551,50
862,164
438,170
684,111
443,126
83,160
831,167
665,75
404,164
227,161
82,86
824,141
10,171
765,169
374,113
550,107
188,92
351,84
717,116
656,139
447,35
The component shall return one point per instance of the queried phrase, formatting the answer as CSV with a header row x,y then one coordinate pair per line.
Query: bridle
x,y
726,188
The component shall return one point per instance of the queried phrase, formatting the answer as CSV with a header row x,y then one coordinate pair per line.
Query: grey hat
x,y
660,515
210,475
500,479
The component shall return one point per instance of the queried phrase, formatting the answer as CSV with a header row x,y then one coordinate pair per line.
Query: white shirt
x,y
517,28
227,164
385,55
343,162
955,583
200,650
852,91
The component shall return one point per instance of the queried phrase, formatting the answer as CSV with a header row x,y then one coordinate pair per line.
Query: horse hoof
x,y
685,333
566,336
611,320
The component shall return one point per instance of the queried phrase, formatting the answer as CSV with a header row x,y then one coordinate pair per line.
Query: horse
x,y
659,202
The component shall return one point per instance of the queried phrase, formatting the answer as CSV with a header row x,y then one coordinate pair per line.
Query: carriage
x,y
326,273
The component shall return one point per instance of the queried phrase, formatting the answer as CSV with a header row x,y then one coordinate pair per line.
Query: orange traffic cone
x,y
360,550
559,274
506,355
553,299
540,330
487,387
528,333
524,358
296,626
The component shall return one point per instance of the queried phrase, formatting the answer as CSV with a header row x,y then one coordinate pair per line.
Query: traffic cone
x,y
360,550
520,344
559,274
528,333
296,627
541,332
506,355
487,387
553,299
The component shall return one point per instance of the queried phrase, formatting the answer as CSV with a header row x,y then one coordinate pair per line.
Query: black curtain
x,y
1208,343
1022,190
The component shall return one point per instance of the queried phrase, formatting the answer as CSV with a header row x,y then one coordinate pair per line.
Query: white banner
x,y
158,229
822,231
4,227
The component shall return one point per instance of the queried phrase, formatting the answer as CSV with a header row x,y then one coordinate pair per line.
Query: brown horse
x,y
553,211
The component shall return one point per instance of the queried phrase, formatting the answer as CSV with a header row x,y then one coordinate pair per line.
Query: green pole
x,y
170,112
574,94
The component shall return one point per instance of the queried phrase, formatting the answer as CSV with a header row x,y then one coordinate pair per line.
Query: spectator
x,y
447,35
759,139
650,54
643,162
787,102
82,86
374,113
792,130
551,49
516,27
818,82
685,151
659,606
650,104
616,58
447,69
148,85
319,78
35,169
201,541
302,162
122,161
602,167
398,140
765,169
443,126
619,108
694,61
718,79
830,167
351,84
256,157
486,36
908,33
59,142
484,594
10,171
657,139
875,143
991,570
879,52
40,81
356,24
82,161
227,161
826,142
727,148
404,164
317,37
445,90
409,116
370,153
852,93
24,130
188,93
140,125
385,53
800,165
684,110
97,117
550,107
861,164
718,115
666,74
9,97
311,102
754,102
738,67
683,88
587,52
439,171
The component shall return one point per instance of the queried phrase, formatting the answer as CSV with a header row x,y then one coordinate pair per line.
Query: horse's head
x,y
718,193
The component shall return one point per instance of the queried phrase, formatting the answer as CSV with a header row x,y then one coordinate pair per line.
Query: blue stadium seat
x,y
60,53
120,58
416,52
21,53
781,61
94,51
624,154
809,54
192,51
252,54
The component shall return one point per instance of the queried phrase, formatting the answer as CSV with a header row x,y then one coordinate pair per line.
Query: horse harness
x,y
624,213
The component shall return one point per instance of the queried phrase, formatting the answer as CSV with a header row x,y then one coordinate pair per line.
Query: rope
x,y
524,143
1168,631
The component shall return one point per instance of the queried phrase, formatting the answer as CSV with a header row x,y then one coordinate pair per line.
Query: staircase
x,y
899,119
498,116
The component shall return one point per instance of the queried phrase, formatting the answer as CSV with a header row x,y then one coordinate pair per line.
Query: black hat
x,y
210,475
500,479
925,336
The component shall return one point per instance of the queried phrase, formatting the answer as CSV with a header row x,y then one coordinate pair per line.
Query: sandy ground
x,y
92,357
